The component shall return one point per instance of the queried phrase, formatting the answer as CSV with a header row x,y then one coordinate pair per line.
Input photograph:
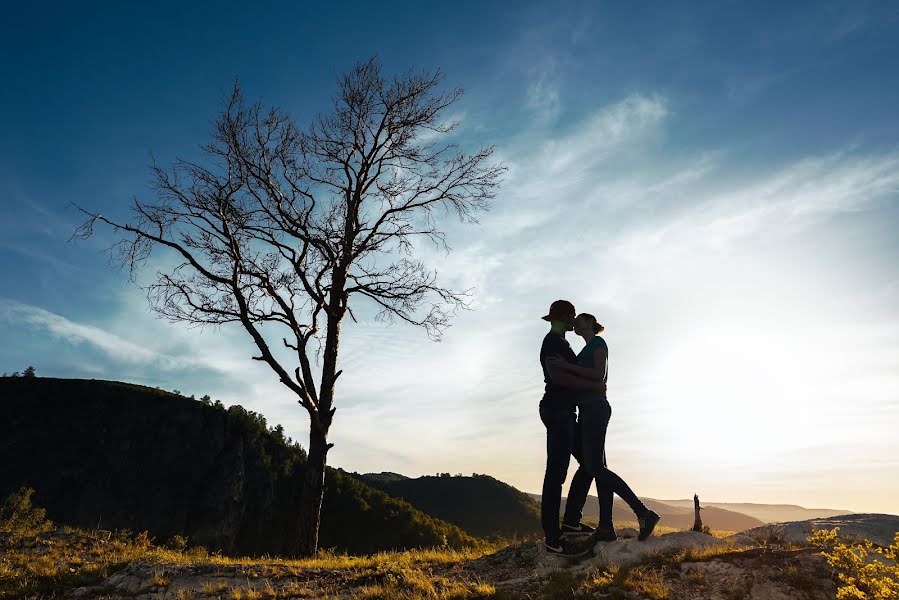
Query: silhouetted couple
x,y
576,414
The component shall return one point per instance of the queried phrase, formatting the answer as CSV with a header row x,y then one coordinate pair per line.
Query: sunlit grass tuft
x,y
410,583
644,580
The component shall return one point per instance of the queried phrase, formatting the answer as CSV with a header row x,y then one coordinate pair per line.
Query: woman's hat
x,y
559,309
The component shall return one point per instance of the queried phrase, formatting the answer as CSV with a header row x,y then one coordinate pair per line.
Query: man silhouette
x,y
557,411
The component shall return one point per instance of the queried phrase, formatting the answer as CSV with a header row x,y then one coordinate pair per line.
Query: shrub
x,y
177,543
17,513
861,571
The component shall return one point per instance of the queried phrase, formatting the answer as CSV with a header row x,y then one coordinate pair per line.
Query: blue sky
x,y
718,182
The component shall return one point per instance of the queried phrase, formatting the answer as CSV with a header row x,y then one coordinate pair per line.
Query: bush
x,y
17,513
177,543
861,570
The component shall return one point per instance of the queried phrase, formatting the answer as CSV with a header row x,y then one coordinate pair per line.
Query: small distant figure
x,y
697,521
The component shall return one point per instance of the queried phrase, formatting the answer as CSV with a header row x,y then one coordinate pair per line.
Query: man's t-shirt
x,y
556,396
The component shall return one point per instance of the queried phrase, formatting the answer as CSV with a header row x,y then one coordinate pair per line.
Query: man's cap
x,y
559,309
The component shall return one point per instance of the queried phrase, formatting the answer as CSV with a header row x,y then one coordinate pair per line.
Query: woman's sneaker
x,y
647,522
576,531
564,547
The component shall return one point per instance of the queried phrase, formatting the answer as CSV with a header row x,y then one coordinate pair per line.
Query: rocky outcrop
x,y
627,552
748,573
878,528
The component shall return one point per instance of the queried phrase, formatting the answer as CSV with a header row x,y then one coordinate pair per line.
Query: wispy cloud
x,y
47,258
613,128
452,123
783,203
113,346
542,97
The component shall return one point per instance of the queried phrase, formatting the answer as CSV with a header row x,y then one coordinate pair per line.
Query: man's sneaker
x,y
577,530
647,522
603,534
564,547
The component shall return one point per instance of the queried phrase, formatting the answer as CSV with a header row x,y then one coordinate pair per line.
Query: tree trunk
x,y
312,494
697,521
314,475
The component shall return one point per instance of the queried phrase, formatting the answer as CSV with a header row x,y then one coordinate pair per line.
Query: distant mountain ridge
x,y
722,516
767,513
672,516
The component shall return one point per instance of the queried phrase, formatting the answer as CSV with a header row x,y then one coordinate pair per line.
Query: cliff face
x,y
122,456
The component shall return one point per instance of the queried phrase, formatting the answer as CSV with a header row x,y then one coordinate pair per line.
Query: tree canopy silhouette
x,y
281,229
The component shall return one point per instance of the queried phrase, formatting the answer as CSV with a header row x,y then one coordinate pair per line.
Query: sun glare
x,y
746,391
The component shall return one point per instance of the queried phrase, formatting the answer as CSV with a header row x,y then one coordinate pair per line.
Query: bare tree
x,y
279,229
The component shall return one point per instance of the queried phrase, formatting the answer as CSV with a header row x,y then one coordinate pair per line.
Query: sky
x,y
718,182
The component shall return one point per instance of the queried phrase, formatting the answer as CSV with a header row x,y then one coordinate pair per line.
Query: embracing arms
x,y
596,373
572,376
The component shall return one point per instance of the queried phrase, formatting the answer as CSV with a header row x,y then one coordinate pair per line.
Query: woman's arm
x,y
594,373
573,382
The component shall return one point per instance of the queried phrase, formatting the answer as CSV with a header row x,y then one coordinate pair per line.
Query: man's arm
x,y
560,377
591,373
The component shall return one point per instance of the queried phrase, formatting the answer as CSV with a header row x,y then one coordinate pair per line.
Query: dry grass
x,y
160,579
415,584
696,580
214,588
41,563
645,580
797,578
38,563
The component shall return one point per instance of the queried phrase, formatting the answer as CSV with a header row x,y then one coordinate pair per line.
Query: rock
x,y
880,529
626,552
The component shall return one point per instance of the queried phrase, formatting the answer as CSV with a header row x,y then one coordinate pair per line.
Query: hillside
x,y
481,505
120,456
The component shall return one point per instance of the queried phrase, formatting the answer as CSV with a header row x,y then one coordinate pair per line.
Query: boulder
x,y
626,552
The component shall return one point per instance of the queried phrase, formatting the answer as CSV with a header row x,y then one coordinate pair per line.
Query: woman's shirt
x,y
585,357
